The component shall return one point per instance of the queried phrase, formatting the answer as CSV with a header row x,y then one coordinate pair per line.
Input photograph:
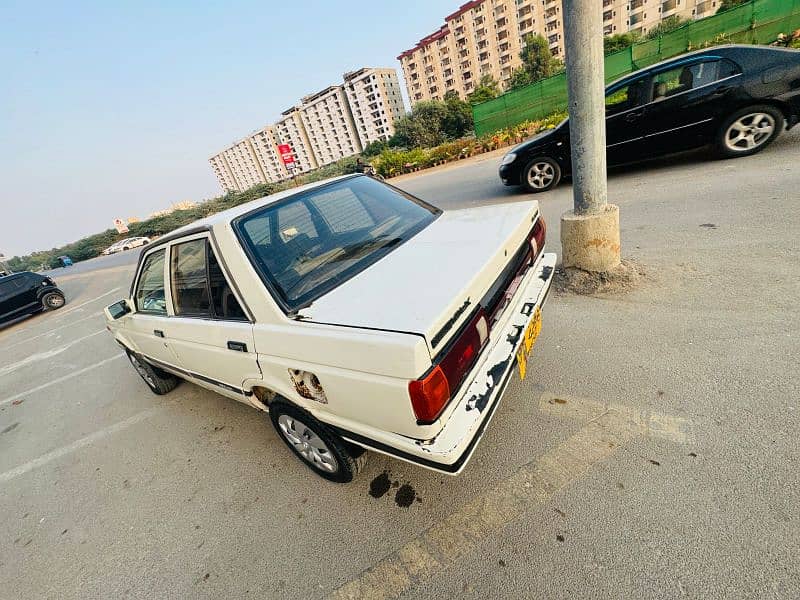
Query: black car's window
x,y
628,96
328,235
199,287
150,288
190,295
689,77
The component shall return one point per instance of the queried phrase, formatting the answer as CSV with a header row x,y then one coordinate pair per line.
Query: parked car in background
x,y
27,293
736,98
359,316
126,244
64,261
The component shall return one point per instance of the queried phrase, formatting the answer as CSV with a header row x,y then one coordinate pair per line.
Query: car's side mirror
x,y
118,309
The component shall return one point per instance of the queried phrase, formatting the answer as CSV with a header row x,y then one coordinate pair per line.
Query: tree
x,y
537,59
422,127
619,41
519,78
726,4
374,148
487,89
458,120
665,26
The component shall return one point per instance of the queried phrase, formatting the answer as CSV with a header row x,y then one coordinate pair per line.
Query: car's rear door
x,y
690,100
209,330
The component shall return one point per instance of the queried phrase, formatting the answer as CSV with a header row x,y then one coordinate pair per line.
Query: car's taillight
x,y
537,236
431,394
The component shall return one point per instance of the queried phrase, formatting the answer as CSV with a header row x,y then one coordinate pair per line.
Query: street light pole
x,y
590,232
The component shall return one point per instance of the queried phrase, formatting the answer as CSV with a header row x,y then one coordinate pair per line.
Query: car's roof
x,y
226,216
724,51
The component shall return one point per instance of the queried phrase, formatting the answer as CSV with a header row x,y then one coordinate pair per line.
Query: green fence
x,y
756,22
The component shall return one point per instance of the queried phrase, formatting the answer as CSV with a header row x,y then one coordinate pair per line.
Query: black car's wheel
x,y
53,301
541,174
749,130
160,382
323,451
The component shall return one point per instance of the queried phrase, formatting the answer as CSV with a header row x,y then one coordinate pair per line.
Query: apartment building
x,y
376,102
326,126
329,125
485,37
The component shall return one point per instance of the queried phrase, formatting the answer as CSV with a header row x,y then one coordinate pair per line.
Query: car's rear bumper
x,y
450,450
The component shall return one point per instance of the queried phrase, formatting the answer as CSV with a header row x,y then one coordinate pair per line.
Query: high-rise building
x,y
376,102
329,125
325,127
485,37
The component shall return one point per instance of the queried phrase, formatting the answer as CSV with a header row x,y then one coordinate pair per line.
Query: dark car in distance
x,y
27,293
736,98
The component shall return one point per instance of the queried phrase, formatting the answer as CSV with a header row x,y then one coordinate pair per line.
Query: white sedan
x,y
358,316
126,244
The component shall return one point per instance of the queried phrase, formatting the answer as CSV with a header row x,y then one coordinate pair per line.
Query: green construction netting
x,y
755,22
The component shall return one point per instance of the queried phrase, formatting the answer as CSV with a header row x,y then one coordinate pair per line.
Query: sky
x,y
112,109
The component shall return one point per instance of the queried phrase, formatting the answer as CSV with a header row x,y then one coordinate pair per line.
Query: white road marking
x,y
46,354
52,331
441,545
77,373
81,443
61,313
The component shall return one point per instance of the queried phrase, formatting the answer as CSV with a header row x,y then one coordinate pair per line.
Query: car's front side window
x,y
626,97
149,295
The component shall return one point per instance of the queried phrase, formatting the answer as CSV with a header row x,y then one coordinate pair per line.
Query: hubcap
x,y
142,372
55,301
307,443
749,132
541,175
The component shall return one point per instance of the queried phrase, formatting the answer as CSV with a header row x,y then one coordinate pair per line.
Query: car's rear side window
x,y
327,235
199,287
149,295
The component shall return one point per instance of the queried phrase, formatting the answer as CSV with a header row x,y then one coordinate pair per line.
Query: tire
x,y
540,175
53,301
160,382
739,134
319,448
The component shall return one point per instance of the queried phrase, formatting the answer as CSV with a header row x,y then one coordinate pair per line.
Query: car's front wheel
x,y
160,382
322,450
52,301
541,174
749,130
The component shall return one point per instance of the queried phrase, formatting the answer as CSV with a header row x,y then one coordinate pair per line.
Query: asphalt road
x,y
651,452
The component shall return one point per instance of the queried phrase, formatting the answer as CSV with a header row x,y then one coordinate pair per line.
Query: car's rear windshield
x,y
310,243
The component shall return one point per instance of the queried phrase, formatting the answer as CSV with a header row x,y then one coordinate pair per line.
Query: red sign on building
x,y
285,150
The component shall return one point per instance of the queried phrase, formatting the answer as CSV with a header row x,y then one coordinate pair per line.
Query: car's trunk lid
x,y
431,284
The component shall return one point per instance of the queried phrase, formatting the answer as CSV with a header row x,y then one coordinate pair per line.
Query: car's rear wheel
x,y
323,451
541,174
53,301
749,130
160,382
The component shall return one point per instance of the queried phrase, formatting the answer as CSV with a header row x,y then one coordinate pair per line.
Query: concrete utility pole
x,y
590,232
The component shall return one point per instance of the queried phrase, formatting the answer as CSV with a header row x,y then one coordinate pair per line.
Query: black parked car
x,y
27,293
738,98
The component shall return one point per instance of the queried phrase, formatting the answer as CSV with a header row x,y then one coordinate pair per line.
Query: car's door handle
x,y
721,91
237,346
631,117
158,333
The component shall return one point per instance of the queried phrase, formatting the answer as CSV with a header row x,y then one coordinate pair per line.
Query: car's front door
x,y
18,295
209,330
625,112
689,101
148,325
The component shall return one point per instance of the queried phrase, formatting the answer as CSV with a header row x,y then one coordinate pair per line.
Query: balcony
x,y
636,5
668,6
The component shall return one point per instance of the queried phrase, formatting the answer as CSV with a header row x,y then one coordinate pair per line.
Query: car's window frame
x,y
140,273
210,246
266,277
651,74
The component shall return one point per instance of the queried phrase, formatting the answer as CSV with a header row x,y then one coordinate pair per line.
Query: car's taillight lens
x,y
537,236
431,394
